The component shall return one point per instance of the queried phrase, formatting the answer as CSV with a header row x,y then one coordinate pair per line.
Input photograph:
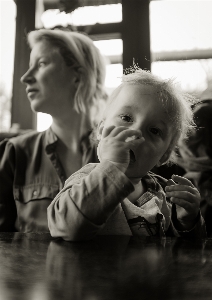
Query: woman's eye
x,y
156,131
126,118
42,64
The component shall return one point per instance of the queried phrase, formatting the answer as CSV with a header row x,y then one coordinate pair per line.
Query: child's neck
x,y
140,189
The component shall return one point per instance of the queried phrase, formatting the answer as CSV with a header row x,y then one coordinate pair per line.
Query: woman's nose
x,y
28,77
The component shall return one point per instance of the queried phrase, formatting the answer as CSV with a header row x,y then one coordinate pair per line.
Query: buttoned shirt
x,y
31,175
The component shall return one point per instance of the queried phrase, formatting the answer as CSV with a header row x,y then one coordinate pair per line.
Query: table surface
x,y
36,267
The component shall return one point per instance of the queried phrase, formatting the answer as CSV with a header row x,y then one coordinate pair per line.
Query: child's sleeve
x,y
88,198
198,231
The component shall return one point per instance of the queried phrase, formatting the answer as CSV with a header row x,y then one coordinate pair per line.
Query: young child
x,y
141,125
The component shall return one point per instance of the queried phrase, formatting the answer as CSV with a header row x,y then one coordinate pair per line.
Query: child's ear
x,y
100,129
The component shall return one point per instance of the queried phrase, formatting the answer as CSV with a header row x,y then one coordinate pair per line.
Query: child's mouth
x,y
132,157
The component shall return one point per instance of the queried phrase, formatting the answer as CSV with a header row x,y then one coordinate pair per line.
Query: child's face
x,y
138,107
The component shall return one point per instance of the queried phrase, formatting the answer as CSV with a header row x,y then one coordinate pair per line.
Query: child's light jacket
x,y
94,201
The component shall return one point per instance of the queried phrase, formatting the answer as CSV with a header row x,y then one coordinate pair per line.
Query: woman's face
x,y
50,83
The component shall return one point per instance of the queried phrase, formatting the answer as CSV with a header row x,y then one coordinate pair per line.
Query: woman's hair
x,y
176,103
78,51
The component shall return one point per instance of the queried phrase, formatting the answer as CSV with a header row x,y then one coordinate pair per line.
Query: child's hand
x,y
113,145
187,199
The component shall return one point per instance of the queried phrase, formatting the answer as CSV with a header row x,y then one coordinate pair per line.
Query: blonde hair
x,y
176,103
78,50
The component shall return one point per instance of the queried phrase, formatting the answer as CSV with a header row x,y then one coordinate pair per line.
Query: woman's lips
x,y
31,93
31,90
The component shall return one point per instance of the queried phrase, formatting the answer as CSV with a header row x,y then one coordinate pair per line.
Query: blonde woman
x,y
66,80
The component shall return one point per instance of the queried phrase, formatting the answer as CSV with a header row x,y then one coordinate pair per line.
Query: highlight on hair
x,y
176,103
78,51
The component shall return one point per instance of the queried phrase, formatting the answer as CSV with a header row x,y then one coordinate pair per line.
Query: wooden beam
x,y
55,4
181,55
98,2
102,31
21,112
136,33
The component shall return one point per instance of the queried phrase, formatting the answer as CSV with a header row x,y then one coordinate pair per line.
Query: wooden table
x,y
37,267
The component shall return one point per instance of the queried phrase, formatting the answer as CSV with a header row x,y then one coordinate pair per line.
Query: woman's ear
x,y
76,81
77,76
100,129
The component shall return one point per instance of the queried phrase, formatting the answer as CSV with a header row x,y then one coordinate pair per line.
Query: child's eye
x,y
156,131
126,118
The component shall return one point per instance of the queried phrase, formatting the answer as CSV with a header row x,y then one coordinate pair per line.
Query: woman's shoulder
x,y
29,140
25,139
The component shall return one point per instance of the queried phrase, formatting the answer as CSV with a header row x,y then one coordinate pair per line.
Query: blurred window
x,y
181,45
88,15
191,74
180,25
181,42
7,42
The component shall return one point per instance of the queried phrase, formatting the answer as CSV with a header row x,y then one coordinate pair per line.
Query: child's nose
x,y
138,127
28,77
140,133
